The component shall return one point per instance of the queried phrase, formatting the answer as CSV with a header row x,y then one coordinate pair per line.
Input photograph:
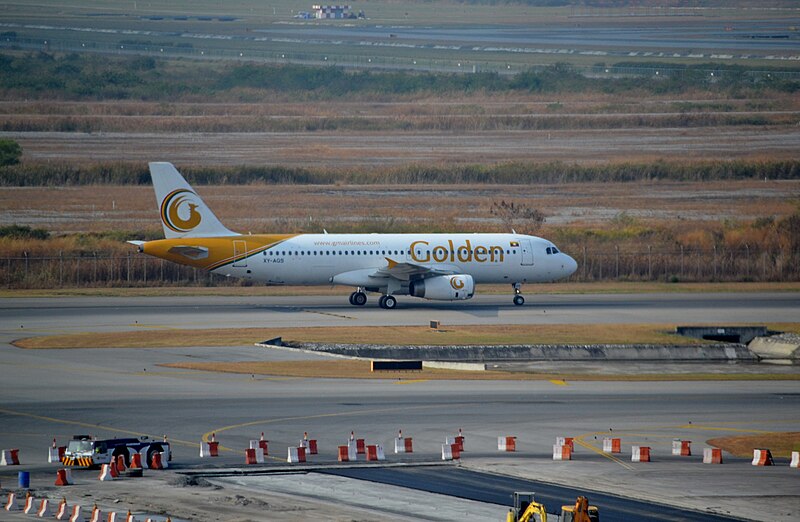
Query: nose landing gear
x,y
518,299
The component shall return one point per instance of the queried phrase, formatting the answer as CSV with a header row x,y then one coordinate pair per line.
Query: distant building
x,y
332,11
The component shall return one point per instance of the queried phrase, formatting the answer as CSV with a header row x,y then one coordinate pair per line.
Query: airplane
x,y
443,267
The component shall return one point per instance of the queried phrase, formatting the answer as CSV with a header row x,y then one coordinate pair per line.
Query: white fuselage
x,y
315,259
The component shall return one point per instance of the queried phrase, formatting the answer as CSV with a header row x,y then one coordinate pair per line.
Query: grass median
x,y
780,444
359,369
501,334
397,335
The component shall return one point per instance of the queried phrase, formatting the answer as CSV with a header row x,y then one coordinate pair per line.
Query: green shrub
x,y
23,232
95,76
55,174
10,152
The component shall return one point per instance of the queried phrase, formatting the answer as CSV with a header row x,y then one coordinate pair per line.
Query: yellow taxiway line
x,y
90,425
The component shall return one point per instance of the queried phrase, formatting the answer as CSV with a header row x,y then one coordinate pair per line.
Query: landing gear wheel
x,y
358,298
387,302
519,300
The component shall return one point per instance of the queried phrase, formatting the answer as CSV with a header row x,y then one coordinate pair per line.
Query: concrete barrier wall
x,y
506,353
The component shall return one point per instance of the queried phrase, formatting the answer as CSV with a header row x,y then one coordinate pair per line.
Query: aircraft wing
x,y
405,271
392,270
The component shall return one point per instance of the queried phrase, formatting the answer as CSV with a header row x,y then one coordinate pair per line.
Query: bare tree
x,y
518,216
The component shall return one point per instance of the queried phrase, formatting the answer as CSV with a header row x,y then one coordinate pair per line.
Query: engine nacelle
x,y
444,288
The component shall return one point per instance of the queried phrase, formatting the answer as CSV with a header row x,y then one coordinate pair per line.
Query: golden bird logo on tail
x,y
171,210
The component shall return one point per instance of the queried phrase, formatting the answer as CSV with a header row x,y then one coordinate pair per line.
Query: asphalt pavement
x,y
21,317
124,392
494,489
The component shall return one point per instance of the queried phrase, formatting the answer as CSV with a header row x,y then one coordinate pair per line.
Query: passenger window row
x,y
361,252
356,252
334,252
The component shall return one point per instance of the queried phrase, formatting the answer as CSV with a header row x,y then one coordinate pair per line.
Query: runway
x,y
34,316
120,392
672,37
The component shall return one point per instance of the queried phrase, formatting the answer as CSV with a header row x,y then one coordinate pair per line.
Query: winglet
x,y
392,264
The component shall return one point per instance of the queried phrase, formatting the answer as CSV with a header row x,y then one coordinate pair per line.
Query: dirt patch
x,y
780,444
183,481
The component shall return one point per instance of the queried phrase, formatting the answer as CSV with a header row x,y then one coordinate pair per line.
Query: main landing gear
x,y
358,298
518,299
387,302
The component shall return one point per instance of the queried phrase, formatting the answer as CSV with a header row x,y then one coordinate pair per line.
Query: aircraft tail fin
x,y
183,213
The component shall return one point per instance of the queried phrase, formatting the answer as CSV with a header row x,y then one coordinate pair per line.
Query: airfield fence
x,y
650,264
464,64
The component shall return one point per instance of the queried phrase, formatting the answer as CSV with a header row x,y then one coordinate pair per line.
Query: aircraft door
x,y
240,254
527,252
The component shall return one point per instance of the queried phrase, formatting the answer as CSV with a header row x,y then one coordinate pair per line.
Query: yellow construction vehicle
x,y
580,512
526,509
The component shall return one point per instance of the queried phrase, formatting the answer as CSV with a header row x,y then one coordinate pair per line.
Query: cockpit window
x,y
555,250
549,251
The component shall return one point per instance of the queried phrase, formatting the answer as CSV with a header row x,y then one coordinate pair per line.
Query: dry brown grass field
x,y
645,231
348,149
468,128
685,208
469,112
735,230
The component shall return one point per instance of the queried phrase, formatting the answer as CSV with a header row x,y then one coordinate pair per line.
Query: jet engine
x,y
443,288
